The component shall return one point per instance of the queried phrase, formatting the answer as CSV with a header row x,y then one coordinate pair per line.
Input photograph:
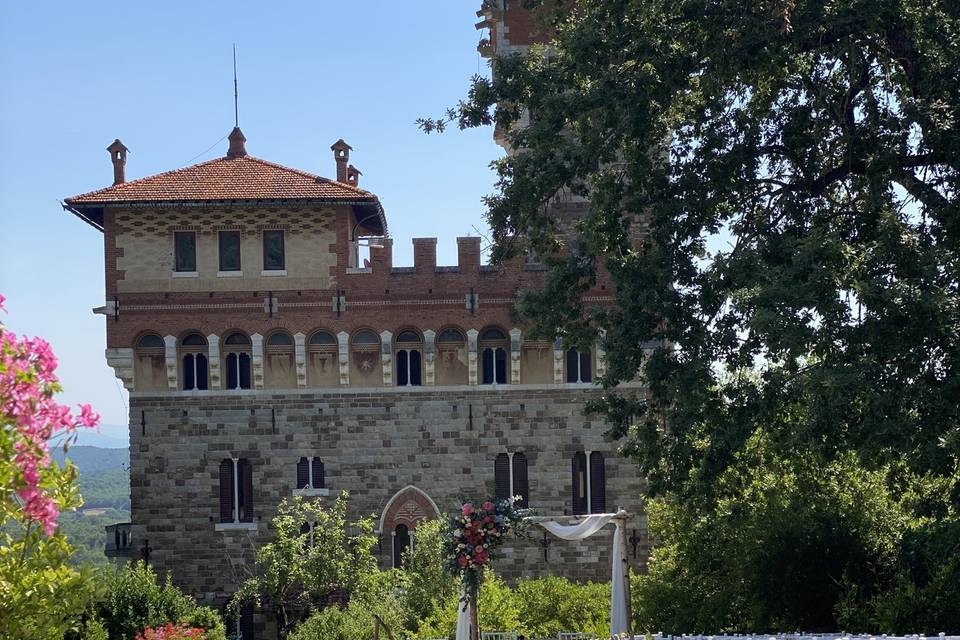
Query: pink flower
x,y
487,506
463,561
467,509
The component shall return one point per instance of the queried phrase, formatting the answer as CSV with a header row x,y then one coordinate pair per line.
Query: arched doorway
x,y
399,519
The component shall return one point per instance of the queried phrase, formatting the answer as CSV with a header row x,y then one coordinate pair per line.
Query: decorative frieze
x,y
170,357
472,336
429,357
300,356
343,357
213,360
256,360
386,357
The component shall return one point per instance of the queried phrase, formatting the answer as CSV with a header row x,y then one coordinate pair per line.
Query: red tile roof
x,y
227,179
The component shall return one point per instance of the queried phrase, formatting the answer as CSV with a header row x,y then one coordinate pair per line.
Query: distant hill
x,y
94,460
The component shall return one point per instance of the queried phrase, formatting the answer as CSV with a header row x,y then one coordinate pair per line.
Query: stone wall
x,y
374,443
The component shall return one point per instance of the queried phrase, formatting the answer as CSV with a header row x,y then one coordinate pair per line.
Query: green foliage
x,y
84,529
536,608
107,489
91,629
135,599
791,543
300,571
794,282
429,584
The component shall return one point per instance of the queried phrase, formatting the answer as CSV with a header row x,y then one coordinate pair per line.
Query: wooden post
x,y
622,525
474,618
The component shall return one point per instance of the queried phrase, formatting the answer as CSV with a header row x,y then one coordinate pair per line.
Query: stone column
x,y
343,357
601,355
429,357
516,338
472,336
213,361
170,353
256,360
300,357
122,361
386,357
557,362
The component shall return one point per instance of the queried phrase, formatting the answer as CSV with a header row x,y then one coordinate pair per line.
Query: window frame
x,y
283,249
177,235
220,264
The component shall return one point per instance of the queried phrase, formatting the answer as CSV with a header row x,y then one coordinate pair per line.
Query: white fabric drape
x,y
618,598
584,529
463,617
589,526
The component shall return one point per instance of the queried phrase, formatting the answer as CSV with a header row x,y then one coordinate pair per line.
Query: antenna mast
x,y
236,103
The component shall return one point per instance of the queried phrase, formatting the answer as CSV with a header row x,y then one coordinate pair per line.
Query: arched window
x,y
578,365
493,354
598,483
409,357
579,469
521,483
501,476
193,362
150,373
365,358
402,540
236,348
322,360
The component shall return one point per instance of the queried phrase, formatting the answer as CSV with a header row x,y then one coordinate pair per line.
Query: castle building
x,y
265,358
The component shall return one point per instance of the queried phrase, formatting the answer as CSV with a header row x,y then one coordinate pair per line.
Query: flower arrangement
x,y
171,631
475,532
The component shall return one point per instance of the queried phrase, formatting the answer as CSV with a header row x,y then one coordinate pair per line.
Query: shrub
x,y
136,600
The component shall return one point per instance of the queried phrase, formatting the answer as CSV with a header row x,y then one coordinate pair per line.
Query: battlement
x,y
425,257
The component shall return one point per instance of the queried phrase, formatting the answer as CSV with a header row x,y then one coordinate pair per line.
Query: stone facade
x,y
375,443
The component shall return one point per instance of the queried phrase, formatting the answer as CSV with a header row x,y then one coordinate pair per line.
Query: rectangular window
x,y
229,251
273,258
185,251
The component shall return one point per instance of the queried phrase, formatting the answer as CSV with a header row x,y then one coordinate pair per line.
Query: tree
x,y
316,559
773,197
41,596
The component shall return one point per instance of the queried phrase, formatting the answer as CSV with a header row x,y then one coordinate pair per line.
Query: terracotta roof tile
x,y
224,179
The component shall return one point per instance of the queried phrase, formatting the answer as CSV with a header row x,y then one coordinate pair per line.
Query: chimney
x,y
353,175
341,153
237,147
118,156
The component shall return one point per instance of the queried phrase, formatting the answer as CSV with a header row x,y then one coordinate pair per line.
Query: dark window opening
x,y
578,365
238,371
494,366
401,542
521,485
229,250
579,469
501,476
408,368
273,251
185,251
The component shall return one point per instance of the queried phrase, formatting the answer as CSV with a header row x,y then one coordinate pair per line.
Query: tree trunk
x,y
474,618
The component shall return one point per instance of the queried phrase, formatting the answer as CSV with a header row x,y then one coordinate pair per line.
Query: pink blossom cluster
x,y
477,531
30,415
171,631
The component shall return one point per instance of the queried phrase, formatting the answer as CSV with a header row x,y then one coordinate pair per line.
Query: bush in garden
x,y
41,596
137,600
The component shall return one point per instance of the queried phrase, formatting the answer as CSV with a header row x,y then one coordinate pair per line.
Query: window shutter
x,y
402,368
416,377
232,371
244,370
520,482
579,465
572,365
487,366
246,622
245,477
226,491
501,357
318,479
501,476
201,371
188,372
586,373
303,473
598,483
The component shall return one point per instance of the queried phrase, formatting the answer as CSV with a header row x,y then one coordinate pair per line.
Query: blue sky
x,y
76,75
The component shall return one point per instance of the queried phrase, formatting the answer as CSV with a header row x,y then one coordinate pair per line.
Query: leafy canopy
x,y
773,188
